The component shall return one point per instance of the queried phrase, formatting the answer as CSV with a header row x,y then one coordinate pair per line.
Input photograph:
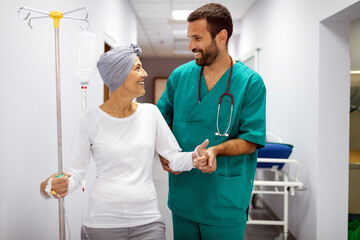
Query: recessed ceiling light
x,y
180,14
180,32
355,71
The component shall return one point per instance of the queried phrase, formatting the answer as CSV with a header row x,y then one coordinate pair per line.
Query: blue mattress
x,y
274,150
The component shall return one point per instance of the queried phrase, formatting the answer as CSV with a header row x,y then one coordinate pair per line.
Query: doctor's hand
x,y
211,166
207,161
200,149
209,156
165,164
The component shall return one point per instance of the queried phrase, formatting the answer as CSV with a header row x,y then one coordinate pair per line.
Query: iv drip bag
x,y
86,55
85,61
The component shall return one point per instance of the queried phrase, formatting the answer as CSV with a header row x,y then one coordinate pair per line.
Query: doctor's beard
x,y
209,55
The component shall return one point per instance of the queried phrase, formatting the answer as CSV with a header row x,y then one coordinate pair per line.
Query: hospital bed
x,y
272,158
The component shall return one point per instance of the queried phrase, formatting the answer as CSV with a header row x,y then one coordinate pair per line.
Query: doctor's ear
x,y
222,36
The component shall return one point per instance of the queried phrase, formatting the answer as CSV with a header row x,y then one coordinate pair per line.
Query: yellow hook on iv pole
x,y
56,15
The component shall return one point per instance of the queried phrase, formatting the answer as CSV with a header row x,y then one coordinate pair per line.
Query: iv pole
x,y
56,17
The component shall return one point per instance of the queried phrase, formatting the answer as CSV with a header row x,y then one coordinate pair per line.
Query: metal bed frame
x,y
282,184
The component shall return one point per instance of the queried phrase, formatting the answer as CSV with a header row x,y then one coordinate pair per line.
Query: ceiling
x,y
156,27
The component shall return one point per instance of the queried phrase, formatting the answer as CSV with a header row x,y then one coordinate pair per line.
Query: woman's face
x,y
134,83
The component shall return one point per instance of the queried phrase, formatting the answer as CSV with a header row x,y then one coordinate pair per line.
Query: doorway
x,y
354,151
107,48
333,127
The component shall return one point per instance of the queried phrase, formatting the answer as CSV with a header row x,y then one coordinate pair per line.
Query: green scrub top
x,y
221,198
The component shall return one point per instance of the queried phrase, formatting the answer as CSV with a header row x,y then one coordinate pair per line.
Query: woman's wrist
x,y
42,188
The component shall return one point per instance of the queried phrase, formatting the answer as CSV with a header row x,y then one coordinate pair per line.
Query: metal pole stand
x,y
56,17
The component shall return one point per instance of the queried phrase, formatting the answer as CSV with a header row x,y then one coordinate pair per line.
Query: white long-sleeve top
x,y
123,193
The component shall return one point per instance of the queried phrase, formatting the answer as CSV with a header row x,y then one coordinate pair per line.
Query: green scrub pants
x,y
189,230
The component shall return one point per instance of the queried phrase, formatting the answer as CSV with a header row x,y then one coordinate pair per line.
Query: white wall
x,y
333,142
28,144
233,44
307,103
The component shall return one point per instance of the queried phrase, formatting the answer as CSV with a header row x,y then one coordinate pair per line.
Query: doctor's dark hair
x,y
217,17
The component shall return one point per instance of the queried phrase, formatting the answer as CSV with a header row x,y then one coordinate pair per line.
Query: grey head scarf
x,y
115,65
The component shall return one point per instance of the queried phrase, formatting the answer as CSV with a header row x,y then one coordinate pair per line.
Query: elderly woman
x,y
122,136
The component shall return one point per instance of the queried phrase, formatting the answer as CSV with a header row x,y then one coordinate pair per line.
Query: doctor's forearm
x,y
234,147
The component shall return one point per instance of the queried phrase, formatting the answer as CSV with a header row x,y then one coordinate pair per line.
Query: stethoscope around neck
x,y
217,133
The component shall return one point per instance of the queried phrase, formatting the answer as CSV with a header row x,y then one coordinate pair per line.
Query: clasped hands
x,y
204,160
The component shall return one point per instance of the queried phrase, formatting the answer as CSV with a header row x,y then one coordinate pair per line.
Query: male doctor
x,y
214,206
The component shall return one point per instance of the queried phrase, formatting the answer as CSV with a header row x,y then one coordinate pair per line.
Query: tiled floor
x,y
263,232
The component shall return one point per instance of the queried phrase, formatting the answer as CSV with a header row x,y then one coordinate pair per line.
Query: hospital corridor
x,y
305,184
